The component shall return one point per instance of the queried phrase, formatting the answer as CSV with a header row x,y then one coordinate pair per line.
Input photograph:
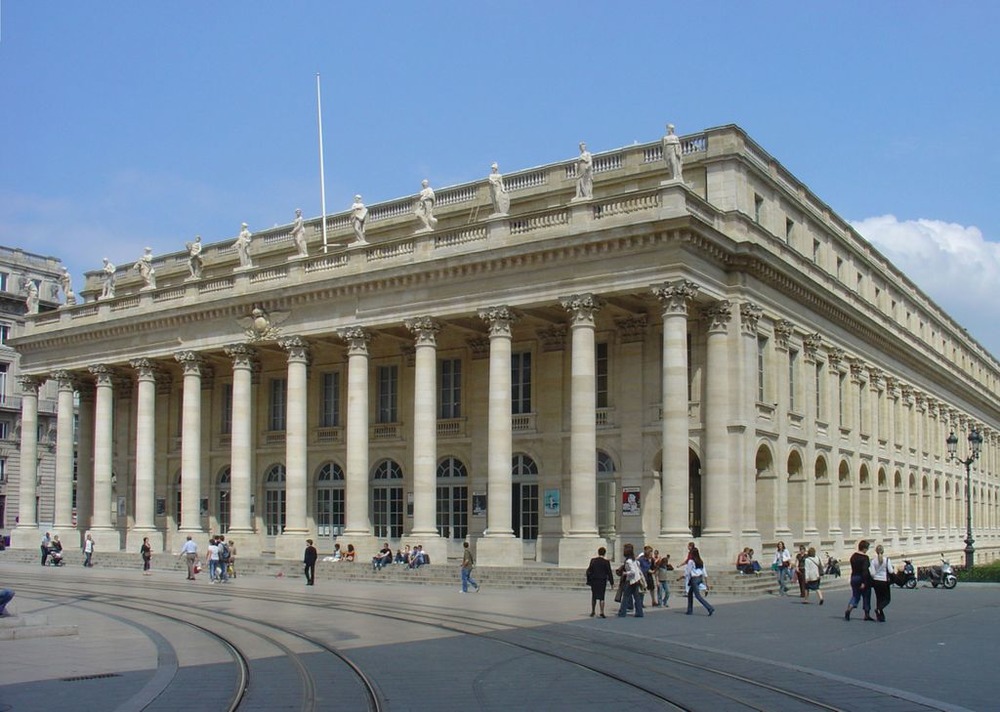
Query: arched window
x,y
524,498
224,510
607,498
452,499
274,500
387,500
330,500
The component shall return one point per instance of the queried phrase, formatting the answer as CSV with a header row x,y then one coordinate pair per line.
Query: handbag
x,y
620,592
642,584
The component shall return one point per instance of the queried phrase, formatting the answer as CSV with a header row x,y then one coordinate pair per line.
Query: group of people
x,y
52,550
219,559
870,574
806,569
648,572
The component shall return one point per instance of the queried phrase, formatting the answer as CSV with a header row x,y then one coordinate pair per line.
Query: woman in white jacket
x,y
632,574
694,576
880,568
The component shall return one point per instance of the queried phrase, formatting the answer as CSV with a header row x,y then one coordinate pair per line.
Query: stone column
x,y
63,517
290,543
358,524
675,526
425,437
498,546
241,447
782,334
25,534
582,539
810,347
106,538
889,516
85,458
875,381
716,480
191,443
834,357
145,458
742,420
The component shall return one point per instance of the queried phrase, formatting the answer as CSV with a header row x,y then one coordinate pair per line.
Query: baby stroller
x,y
56,558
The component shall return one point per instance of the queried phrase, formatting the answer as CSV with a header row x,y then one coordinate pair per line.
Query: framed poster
x,y
409,505
631,500
478,504
551,503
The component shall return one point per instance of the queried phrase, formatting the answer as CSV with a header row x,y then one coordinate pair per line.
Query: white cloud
x,y
953,264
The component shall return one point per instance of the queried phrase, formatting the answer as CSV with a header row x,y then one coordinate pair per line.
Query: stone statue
x,y
195,263
242,246
299,235
108,291
498,192
584,174
425,206
144,266
359,214
66,282
672,153
32,301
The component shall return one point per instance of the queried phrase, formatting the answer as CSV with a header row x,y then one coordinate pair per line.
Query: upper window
x,y
450,397
278,410
520,383
329,400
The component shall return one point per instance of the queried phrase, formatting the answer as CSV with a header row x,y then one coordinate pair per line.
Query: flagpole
x,y
322,179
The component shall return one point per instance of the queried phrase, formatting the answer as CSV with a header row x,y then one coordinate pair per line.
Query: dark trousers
x,y
310,570
882,595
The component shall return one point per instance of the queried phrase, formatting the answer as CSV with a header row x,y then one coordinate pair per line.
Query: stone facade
x,y
716,356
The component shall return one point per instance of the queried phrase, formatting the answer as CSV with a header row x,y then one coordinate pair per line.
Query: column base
x,y
291,544
105,540
577,551
499,551
27,537
133,540
433,544
717,550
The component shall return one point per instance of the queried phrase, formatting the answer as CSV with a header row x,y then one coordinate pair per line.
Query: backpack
x,y
223,552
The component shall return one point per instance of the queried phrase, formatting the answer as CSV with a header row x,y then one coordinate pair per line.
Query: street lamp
x,y
975,443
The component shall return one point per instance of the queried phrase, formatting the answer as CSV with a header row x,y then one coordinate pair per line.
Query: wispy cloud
x,y
954,264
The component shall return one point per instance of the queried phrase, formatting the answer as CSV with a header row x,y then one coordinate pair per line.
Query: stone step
x,y
31,625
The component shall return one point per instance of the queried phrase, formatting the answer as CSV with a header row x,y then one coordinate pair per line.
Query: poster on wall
x,y
552,503
630,501
409,505
478,504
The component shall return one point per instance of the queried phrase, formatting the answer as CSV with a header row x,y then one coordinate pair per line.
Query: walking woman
x,y
861,582
598,577
147,554
782,567
694,577
880,568
632,575
813,575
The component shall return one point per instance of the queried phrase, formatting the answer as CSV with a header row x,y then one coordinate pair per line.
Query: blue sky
x,y
126,124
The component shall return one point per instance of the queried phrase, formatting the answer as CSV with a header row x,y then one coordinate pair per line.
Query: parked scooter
x,y
907,578
943,575
832,566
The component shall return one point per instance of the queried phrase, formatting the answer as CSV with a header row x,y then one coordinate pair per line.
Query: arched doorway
x,y
795,501
223,500
607,496
329,501
695,498
524,497
766,485
452,499
387,500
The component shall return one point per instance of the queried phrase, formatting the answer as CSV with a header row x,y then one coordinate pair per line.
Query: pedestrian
x,y
223,559
813,575
782,567
663,575
46,543
146,551
880,568
190,553
467,563
88,551
231,564
800,569
632,576
212,560
309,562
6,594
861,582
598,577
645,561
695,577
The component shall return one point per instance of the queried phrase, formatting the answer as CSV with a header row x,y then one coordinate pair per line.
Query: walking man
x,y
467,563
190,553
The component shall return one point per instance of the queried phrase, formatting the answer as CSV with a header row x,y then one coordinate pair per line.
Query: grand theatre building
x,y
611,349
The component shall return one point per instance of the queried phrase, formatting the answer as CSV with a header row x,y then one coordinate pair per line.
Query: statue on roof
x,y
299,234
108,289
242,246
359,215
195,263
584,174
144,266
498,192
672,153
425,206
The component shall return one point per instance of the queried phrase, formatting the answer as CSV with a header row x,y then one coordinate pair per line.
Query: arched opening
x,y
822,496
695,497
865,491
223,507
524,497
795,504
766,485
882,517
844,496
387,500
452,499
607,495
329,500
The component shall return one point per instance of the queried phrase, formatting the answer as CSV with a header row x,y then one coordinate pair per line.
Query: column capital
x,y
191,361
425,329
674,296
297,348
875,378
892,387
719,315
835,356
582,308
499,318
30,384
749,318
783,330
812,344
65,379
147,369
242,355
357,339
103,374
858,369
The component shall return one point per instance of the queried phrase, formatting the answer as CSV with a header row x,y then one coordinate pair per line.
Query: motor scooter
x,y
907,578
832,566
943,575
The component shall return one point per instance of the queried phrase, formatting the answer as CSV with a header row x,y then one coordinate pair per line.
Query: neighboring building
x,y
17,268
719,357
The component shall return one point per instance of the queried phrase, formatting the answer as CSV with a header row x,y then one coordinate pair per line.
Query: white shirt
x,y
189,547
880,573
213,552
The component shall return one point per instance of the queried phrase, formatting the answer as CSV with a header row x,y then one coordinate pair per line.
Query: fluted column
x,y
27,492
716,480
425,427
63,515
358,521
191,442
741,422
241,452
103,447
674,298
295,435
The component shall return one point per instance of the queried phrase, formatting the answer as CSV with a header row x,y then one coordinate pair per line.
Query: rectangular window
x,y
816,248
758,207
601,356
450,397
329,400
793,366
761,368
4,333
520,383
3,281
3,469
840,269
388,394
4,429
789,229
278,410
226,424
819,391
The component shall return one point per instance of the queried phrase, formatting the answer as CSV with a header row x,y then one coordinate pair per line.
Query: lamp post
x,y
975,443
